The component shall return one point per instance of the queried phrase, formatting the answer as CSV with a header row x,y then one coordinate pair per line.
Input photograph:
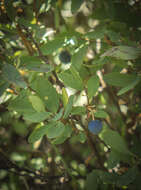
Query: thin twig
x,y
26,43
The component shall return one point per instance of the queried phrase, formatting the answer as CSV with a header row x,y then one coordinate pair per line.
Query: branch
x,y
27,44
8,165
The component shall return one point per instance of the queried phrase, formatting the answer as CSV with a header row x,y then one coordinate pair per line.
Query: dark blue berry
x,y
95,126
65,57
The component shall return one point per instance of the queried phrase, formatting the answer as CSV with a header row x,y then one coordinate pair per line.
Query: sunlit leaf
x,y
47,93
64,96
37,103
68,107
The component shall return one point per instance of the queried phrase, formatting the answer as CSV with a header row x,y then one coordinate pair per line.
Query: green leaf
x,y
64,97
58,115
81,137
119,180
98,176
55,129
20,128
72,79
39,67
128,177
75,5
64,136
114,140
99,32
37,103
12,75
123,52
34,63
3,86
92,85
47,93
78,110
27,23
52,46
116,157
109,178
118,79
27,60
21,103
114,36
78,56
100,114
92,181
37,133
129,86
10,10
37,116
68,107
113,159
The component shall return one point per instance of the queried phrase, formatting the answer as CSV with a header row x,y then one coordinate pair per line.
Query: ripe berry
x,y
65,57
95,126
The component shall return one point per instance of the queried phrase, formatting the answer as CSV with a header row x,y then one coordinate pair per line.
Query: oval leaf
x,y
37,103
12,75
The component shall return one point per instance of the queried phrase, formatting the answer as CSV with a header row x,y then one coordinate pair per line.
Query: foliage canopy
x,y
64,63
